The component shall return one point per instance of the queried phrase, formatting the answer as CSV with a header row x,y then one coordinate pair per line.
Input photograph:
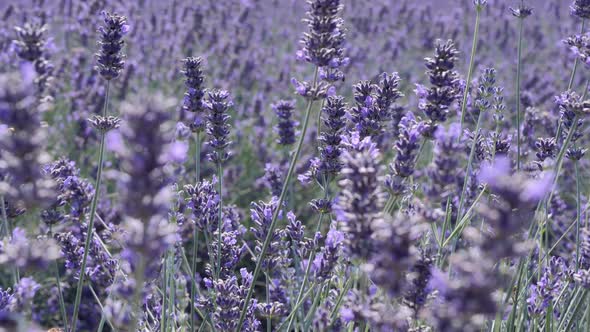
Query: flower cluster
x,y
110,58
193,98
22,145
436,100
286,126
218,127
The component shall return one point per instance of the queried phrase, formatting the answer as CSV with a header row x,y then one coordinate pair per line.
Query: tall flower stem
x,y
195,231
93,207
469,162
137,298
471,64
62,305
578,213
576,61
518,74
6,227
220,214
306,275
571,81
275,215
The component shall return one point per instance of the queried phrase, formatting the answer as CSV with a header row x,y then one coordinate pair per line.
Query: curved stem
x,y
275,215
93,207
471,64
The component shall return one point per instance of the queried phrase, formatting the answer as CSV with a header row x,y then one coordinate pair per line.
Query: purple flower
x,y
176,152
24,292
286,126
218,127
276,255
360,203
203,201
581,8
193,98
334,122
19,251
110,57
407,145
323,44
31,41
444,81
22,147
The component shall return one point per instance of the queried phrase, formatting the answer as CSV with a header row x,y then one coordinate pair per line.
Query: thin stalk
x,y
197,157
576,61
296,307
195,231
97,299
471,64
62,306
93,207
469,162
518,71
273,223
137,298
220,219
164,318
193,272
443,231
101,323
306,275
268,319
309,317
6,227
559,161
579,214
575,304
172,300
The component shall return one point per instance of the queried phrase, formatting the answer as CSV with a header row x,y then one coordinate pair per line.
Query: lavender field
x,y
292,165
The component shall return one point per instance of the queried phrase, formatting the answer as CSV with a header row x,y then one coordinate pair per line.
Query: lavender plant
x,y
460,207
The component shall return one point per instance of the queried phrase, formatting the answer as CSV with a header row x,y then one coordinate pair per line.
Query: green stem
x,y
197,157
137,297
576,61
561,154
93,208
471,65
195,231
518,71
469,162
220,219
273,223
296,308
268,319
164,317
579,214
6,227
306,275
62,305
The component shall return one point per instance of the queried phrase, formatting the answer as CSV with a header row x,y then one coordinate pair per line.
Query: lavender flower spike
x,y
110,57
